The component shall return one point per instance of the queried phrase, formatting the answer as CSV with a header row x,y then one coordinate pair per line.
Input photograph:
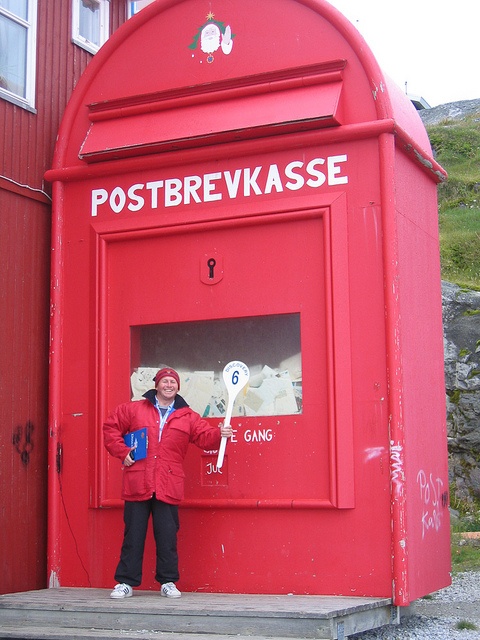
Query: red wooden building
x,y
45,45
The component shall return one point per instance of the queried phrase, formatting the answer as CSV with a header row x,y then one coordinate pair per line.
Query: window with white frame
x,y
90,23
135,7
18,23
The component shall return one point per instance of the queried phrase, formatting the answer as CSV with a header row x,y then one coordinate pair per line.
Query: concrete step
x,y
91,613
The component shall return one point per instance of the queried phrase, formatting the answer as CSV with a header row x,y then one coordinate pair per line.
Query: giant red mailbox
x,y
238,180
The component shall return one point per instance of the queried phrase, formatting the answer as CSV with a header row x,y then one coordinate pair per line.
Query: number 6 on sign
x,y
235,375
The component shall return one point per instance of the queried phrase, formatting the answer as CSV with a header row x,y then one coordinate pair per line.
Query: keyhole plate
x,y
211,268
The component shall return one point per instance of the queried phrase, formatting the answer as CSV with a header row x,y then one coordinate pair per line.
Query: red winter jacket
x,y
161,472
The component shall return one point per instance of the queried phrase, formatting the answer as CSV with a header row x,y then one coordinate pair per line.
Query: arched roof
x,y
158,59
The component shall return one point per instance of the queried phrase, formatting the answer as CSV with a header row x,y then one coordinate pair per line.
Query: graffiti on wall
x,y
433,495
397,470
434,500
22,440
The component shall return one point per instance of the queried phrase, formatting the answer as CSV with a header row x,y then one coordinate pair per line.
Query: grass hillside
x,y
456,146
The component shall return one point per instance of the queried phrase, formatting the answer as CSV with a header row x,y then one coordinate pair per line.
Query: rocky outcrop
x,y
461,322
450,111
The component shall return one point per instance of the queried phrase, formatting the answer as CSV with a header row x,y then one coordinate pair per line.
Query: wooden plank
x,y
56,633
68,609
272,605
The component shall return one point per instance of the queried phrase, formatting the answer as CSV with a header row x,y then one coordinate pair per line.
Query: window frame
x,y
133,10
30,24
82,41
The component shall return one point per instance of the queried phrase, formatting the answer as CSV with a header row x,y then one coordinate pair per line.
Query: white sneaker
x,y
169,590
122,591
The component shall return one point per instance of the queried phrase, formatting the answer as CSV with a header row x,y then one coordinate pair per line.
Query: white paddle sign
x,y
235,375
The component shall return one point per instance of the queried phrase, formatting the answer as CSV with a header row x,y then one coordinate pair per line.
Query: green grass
x,y
465,551
456,146
465,554
466,624
460,246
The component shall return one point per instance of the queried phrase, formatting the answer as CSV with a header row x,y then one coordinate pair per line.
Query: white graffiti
x,y
397,471
431,490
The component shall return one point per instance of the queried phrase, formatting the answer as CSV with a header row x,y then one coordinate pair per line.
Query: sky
x,y
430,48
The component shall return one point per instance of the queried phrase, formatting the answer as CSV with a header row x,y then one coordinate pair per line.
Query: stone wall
x,y
461,322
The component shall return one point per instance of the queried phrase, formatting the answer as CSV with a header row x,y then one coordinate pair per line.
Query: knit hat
x,y
163,373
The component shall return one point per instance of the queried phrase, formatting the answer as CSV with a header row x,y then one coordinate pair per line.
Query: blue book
x,y
139,441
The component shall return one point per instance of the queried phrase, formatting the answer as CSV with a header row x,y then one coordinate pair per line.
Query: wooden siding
x,y
26,149
27,142
24,263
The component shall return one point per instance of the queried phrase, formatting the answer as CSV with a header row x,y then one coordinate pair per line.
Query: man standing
x,y
155,485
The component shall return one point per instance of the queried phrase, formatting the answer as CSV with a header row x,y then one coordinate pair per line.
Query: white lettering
x,y
192,185
232,185
212,468
173,196
299,180
117,199
209,186
431,495
273,179
260,435
333,170
135,198
154,187
250,180
99,196
320,176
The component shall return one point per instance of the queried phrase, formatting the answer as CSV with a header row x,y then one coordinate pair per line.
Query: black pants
x,y
165,527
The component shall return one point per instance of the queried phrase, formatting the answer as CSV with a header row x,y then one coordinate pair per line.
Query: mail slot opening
x,y
199,350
